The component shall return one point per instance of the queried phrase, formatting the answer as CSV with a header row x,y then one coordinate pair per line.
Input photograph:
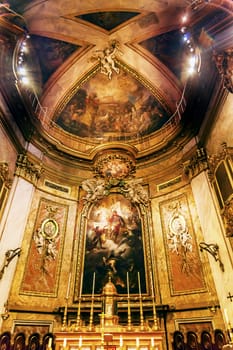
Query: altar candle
x,y
152,287
50,343
226,316
230,334
64,343
80,341
128,283
139,284
68,287
137,342
152,342
93,285
121,341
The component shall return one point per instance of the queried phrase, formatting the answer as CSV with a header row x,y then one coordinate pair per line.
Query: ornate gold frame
x,y
46,227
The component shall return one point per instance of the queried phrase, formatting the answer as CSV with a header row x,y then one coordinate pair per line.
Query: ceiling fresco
x,y
147,88
108,20
168,48
118,107
51,54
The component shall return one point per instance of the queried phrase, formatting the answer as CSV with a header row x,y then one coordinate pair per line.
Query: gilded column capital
x,y
227,216
27,169
4,174
4,170
224,64
215,159
196,164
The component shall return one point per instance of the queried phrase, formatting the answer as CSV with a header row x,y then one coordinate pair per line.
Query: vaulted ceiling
x,y
117,73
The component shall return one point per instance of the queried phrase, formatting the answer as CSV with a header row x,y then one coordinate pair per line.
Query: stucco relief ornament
x,y
180,240
224,64
46,238
228,218
135,192
95,188
107,57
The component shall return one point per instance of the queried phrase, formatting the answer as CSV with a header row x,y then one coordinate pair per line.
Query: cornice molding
x,y
4,173
196,164
28,170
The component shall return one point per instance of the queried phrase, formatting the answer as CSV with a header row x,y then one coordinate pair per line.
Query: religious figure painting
x,y
114,247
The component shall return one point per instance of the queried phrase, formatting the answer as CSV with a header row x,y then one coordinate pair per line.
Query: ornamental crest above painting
x,y
114,227
115,171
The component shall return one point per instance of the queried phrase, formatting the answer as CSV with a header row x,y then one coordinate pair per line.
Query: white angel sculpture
x,y
95,189
106,58
135,192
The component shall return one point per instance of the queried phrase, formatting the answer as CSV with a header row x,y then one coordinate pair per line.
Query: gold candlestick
x,y
129,310
64,346
77,326
80,342
121,342
140,302
64,322
230,333
152,343
49,345
155,326
92,304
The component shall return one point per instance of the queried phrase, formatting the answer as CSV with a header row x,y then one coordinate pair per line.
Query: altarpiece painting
x,y
114,245
113,230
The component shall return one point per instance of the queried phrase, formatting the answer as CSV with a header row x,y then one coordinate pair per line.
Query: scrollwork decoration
x,y
9,256
95,189
46,238
224,64
179,239
132,189
228,218
26,169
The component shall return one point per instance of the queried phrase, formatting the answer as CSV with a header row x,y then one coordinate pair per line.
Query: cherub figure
x,y
107,59
95,189
135,192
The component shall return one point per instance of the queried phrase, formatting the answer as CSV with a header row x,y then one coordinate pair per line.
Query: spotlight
x,y
22,71
186,37
25,80
183,29
184,18
192,64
